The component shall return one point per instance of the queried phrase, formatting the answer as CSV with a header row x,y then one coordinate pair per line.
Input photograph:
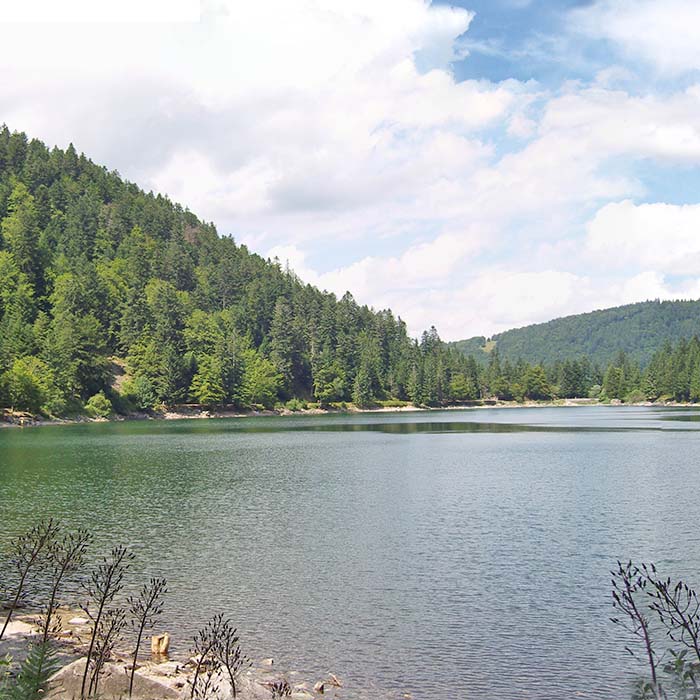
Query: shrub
x,y
295,405
140,392
393,403
29,385
635,396
98,406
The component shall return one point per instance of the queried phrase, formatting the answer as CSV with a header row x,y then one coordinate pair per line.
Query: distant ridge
x,y
637,329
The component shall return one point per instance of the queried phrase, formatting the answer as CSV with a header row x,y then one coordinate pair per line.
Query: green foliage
x,y
461,388
95,269
261,380
362,390
636,329
99,406
392,403
36,670
330,380
207,386
5,689
535,385
20,233
29,385
139,391
635,396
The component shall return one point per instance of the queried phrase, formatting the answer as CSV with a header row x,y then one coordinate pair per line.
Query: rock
x,y
17,628
78,621
114,683
333,680
167,668
267,662
320,687
160,643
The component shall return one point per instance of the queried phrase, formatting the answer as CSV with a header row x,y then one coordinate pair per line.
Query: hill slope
x,y
97,276
638,329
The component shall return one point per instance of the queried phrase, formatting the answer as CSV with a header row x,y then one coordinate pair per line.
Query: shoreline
x,y
16,419
166,676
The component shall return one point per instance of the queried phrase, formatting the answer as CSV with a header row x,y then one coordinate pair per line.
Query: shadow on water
x,y
464,427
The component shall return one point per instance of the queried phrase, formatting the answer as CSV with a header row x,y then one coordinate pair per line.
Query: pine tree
x,y
207,386
362,389
20,234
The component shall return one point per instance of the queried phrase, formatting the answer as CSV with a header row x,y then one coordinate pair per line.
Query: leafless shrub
x,y
144,610
103,586
280,689
629,583
27,551
228,651
207,663
65,557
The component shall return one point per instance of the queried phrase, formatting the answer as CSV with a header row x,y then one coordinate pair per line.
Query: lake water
x,y
442,554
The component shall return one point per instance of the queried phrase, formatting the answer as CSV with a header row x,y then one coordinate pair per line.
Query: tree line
x,y
673,374
113,299
637,329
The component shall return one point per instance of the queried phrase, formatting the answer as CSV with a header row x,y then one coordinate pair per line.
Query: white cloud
x,y
87,11
377,279
267,109
661,237
663,34
334,135
609,123
498,299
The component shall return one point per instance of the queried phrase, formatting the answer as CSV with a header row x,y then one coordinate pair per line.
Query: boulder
x,y
114,683
78,621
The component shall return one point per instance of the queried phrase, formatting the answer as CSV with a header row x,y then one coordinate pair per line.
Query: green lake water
x,y
445,554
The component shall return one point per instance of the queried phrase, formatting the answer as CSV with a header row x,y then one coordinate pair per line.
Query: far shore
x,y
16,419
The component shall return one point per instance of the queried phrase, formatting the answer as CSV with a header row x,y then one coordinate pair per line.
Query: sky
x,y
475,165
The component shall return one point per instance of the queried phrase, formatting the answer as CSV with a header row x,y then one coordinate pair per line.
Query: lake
x,y
442,554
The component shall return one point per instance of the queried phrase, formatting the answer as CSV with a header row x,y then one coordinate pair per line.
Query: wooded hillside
x,y
97,274
639,330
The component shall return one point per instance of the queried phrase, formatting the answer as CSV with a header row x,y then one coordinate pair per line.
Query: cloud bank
x,y
336,136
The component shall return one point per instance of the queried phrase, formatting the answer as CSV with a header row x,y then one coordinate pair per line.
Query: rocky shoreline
x,y
156,678
14,419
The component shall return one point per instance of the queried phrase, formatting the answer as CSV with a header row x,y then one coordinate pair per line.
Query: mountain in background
x,y
639,330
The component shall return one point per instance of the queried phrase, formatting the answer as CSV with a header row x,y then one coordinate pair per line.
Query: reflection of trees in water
x,y
456,427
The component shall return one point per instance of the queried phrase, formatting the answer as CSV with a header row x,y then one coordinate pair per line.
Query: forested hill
x,y
637,329
109,295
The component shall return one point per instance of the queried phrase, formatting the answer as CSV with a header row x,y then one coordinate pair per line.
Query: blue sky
x,y
477,164
508,39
